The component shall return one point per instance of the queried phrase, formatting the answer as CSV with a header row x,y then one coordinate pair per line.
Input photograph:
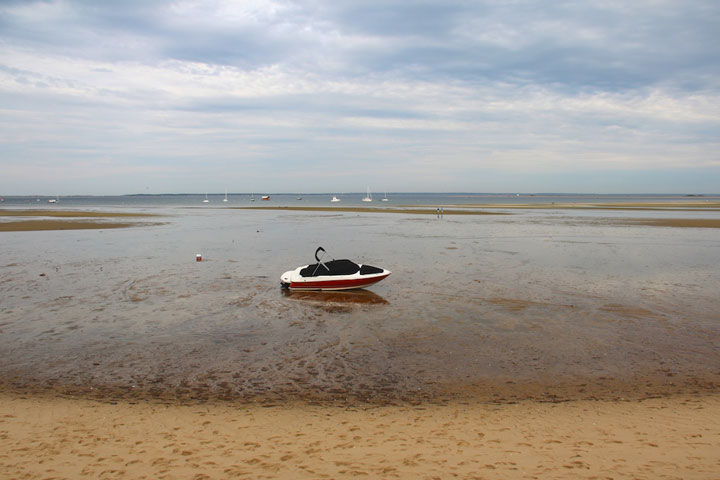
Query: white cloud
x,y
288,87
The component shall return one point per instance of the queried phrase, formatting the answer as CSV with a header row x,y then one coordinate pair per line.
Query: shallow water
x,y
348,199
537,304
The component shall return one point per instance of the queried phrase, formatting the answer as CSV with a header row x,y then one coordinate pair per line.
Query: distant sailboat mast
x,y
368,197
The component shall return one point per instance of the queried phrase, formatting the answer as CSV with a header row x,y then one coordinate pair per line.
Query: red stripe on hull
x,y
337,284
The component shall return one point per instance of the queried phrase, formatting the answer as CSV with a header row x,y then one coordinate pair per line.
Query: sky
x,y
609,96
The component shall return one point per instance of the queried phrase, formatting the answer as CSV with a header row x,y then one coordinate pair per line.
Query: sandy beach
x,y
61,438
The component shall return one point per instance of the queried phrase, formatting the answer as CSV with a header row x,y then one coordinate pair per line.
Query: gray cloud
x,y
511,86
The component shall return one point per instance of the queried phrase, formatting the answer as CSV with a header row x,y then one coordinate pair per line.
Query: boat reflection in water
x,y
346,297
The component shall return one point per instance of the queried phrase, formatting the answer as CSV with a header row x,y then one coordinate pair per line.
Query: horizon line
x,y
362,193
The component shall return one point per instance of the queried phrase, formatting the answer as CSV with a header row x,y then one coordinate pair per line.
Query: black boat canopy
x,y
336,267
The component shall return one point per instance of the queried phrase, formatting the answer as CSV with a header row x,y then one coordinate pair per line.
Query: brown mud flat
x,y
649,206
52,224
69,214
45,225
419,211
672,222
45,437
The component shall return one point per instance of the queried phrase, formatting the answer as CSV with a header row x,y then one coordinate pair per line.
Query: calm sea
x,y
346,199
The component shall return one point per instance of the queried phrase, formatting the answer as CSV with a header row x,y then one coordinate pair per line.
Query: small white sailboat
x,y
206,199
252,197
225,199
385,199
335,199
54,200
368,197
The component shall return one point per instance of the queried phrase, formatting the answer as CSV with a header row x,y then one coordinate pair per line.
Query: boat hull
x,y
294,281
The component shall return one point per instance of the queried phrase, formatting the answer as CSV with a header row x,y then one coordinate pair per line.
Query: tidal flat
x,y
64,220
546,305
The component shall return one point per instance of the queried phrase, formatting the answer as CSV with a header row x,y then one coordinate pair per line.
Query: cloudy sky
x,y
331,96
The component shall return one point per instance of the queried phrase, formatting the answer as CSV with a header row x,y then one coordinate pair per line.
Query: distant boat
x,y
54,200
335,199
225,200
206,199
252,197
368,197
265,197
298,198
385,199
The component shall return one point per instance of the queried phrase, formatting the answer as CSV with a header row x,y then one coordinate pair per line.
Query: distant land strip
x,y
420,211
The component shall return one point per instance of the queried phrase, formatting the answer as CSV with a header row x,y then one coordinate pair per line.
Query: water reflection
x,y
362,297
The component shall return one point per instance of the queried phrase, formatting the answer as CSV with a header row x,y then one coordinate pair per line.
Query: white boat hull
x,y
294,281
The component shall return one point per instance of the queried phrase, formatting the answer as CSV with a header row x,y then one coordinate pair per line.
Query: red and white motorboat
x,y
332,275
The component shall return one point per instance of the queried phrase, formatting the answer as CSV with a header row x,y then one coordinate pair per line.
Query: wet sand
x,y
487,308
673,438
51,223
407,210
44,225
678,206
68,213
673,222
491,208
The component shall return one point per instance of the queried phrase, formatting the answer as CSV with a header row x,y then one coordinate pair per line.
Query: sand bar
x,y
468,210
673,222
52,224
406,210
674,437
650,206
69,214
43,225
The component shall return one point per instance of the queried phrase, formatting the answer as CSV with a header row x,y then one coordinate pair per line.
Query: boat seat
x,y
368,269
